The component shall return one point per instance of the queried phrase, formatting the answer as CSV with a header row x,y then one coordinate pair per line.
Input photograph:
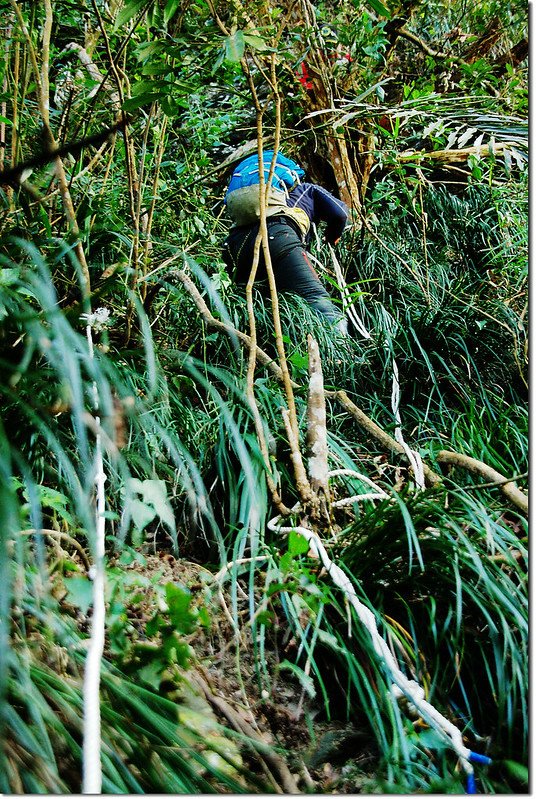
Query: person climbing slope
x,y
292,208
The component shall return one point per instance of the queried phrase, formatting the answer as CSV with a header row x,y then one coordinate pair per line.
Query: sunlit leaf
x,y
234,47
129,11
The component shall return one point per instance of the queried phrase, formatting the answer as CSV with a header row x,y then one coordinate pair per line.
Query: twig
x,y
501,557
65,537
154,191
3,106
454,156
41,81
217,324
12,175
404,263
496,482
239,562
132,176
300,475
425,47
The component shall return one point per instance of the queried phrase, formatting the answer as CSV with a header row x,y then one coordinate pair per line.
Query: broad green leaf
x,y
297,544
285,562
154,494
379,8
235,46
55,500
204,617
181,653
178,600
171,9
142,514
129,11
79,592
266,617
256,42
136,102
151,674
145,87
156,69
274,588
299,361
517,770
129,555
154,625
431,739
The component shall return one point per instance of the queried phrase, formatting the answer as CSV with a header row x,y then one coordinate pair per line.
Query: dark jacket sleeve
x,y
332,211
321,206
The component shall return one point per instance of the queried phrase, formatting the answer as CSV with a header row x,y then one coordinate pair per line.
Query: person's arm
x,y
329,209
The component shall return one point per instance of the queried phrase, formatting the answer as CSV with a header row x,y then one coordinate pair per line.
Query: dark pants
x,y
292,269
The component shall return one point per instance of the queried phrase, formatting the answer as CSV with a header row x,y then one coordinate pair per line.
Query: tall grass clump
x,y
48,462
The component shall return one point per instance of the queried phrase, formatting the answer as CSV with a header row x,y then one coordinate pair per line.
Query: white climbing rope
x,y
347,304
401,685
378,492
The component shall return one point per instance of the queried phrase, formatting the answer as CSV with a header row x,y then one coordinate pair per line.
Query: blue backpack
x,y
242,197
286,172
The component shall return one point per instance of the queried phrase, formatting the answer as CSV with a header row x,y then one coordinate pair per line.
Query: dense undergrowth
x,y
120,347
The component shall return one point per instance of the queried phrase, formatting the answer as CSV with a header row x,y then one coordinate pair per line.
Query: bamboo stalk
x,y
156,174
3,106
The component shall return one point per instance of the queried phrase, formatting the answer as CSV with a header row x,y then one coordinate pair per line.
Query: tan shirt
x,y
243,206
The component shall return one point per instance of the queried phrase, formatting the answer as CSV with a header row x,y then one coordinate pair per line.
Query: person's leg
x,y
238,252
294,272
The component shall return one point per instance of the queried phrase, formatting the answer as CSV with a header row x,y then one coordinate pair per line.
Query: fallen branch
x,y
455,156
387,442
383,438
514,494
217,324
13,175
